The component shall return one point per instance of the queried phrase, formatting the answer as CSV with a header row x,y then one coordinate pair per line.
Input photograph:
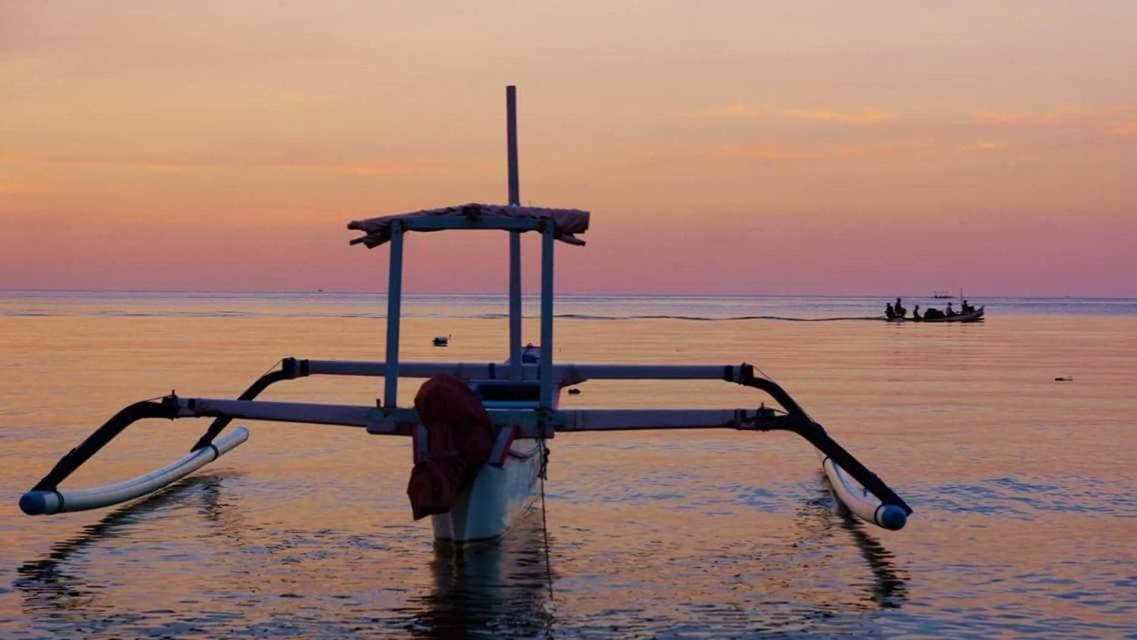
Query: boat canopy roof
x,y
566,222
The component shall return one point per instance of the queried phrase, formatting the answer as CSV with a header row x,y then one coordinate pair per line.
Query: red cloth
x,y
461,439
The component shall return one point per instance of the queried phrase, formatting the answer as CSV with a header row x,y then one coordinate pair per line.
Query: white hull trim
x,y
495,500
860,502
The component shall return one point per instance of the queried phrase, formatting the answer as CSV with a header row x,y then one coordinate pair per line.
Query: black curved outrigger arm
x,y
388,420
799,422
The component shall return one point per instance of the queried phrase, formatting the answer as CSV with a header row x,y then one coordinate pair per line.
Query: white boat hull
x,y
495,500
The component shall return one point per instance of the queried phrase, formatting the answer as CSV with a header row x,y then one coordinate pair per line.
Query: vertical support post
x,y
547,241
394,303
514,236
515,305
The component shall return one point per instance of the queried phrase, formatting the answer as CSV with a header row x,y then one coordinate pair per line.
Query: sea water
x,y
1023,487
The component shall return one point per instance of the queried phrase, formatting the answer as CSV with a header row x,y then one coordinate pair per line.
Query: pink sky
x,y
799,147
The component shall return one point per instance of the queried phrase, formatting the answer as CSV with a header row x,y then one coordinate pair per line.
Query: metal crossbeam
x,y
564,373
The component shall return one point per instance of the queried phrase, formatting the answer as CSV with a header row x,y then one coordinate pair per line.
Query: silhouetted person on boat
x,y
933,314
965,308
899,308
950,311
916,313
888,312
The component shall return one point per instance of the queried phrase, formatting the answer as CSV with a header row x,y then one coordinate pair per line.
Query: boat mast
x,y
514,237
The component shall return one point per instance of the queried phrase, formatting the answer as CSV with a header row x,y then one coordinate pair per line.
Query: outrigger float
x,y
513,405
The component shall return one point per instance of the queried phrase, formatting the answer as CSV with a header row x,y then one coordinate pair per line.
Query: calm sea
x,y
1023,487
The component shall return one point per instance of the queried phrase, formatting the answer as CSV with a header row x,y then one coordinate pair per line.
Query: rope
x,y
545,520
764,374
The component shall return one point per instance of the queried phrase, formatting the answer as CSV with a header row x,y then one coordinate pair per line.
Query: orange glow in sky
x,y
798,147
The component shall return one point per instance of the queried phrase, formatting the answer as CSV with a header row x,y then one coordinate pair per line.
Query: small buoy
x,y
574,391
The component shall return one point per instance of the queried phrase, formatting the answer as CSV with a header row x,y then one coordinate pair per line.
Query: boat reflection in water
x,y
889,586
121,576
493,589
58,586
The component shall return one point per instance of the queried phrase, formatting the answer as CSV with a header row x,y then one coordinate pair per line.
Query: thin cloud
x,y
1053,116
858,118
1124,129
985,146
1028,117
12,187
862,117
740,111
181,164
781,153
362,169
1119,122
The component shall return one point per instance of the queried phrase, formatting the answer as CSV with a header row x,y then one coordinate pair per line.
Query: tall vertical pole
x,y
394,302
514,237
511,141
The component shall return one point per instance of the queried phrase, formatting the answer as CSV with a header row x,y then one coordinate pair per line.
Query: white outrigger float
x,y
516,400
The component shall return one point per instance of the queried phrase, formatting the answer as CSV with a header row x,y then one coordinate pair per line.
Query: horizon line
x,y
569,293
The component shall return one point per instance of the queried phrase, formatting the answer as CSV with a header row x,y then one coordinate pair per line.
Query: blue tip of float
x,y
33,503
892,517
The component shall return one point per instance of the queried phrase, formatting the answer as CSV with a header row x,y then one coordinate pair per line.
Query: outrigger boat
x,y
516,401
971,316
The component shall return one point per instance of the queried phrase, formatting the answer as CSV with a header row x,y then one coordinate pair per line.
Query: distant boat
x,y
974,316
942,295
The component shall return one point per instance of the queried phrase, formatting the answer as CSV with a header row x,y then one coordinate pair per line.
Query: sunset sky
x,y
766,147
